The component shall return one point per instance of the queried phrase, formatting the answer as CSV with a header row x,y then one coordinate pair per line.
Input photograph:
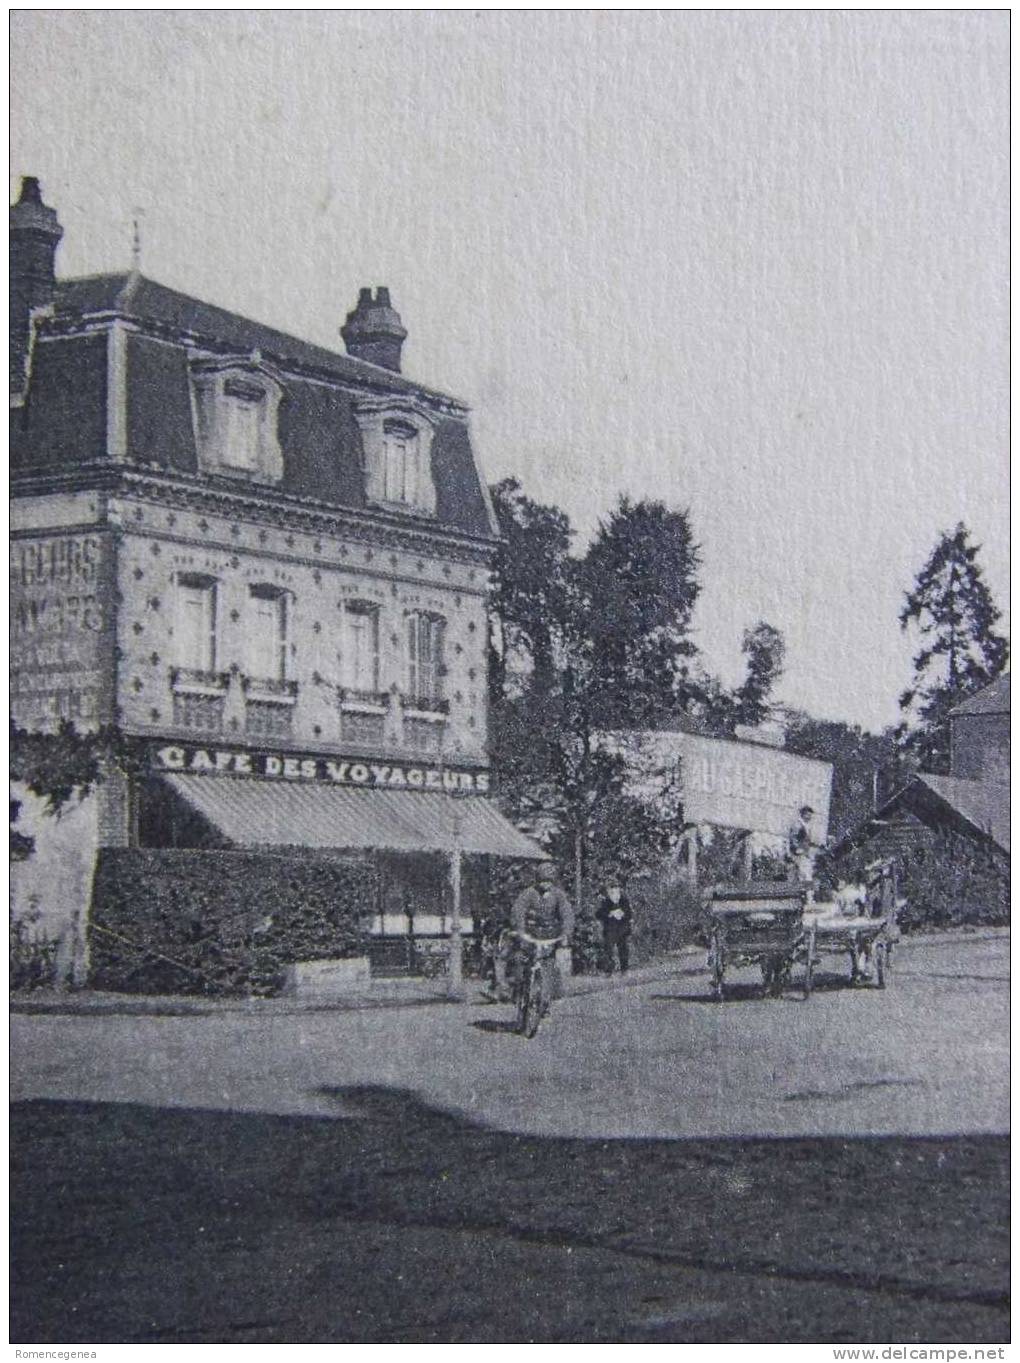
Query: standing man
x,y
801,850
616,917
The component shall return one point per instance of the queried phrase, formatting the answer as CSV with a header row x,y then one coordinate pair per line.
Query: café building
x,y
266,560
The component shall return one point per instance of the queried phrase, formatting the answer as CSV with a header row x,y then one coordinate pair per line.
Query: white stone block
x,y
326,979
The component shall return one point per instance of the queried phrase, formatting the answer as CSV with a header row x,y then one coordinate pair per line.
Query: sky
x,y
752,264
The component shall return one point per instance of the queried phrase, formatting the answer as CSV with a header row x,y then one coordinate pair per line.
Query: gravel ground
x,y
422,1175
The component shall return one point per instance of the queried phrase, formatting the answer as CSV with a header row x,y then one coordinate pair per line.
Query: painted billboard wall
x,y
729,783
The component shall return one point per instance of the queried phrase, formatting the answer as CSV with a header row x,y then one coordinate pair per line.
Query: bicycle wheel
x,y
521,1006
534,1002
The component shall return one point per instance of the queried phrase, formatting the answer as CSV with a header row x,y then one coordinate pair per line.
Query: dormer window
x,y
400,463
236,404
397,438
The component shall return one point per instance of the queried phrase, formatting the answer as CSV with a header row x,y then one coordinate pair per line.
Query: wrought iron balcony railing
x,y
199,681
269,688
429,705
352,698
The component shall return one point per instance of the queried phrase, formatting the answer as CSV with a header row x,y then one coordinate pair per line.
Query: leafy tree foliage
x,y
951,609
64,765
530,600
863,765
765,650
605,642
639,585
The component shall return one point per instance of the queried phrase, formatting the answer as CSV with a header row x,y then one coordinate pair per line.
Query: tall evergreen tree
x,y
951,609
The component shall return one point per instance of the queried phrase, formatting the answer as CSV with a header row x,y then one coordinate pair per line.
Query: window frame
x,y
209,586
433,626
349,680
266,591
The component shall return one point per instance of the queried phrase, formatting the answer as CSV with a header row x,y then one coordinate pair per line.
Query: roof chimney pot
x,y
373,331
34,236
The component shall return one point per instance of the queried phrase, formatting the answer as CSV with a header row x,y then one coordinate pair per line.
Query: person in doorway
x,y
541,911
616,918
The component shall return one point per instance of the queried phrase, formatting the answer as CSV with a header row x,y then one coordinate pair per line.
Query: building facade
x,y
979,735
268,560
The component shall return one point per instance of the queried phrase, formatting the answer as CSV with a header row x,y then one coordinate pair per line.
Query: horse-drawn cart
x,y
866,941
760,924
864,929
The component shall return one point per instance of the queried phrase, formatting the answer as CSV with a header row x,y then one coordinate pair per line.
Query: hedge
x,y
221,922
943,878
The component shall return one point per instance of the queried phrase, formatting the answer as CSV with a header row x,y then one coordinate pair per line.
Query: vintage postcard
x,y
509,679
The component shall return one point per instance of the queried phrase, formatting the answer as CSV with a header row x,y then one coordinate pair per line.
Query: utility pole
x,y
455,977
455,971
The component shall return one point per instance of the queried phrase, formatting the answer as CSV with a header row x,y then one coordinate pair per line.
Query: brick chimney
x,y
35,234
373,332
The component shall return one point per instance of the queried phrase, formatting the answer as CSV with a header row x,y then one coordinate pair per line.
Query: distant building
x,y
267,559
972,802
751,787
979,735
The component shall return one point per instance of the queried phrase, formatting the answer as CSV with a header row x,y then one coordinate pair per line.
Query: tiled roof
x,y
982,804
132,295
990,700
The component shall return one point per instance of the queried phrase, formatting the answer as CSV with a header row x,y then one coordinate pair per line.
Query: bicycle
x,y
533,986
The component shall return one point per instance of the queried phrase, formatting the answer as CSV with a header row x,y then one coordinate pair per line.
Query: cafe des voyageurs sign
x,y
338,771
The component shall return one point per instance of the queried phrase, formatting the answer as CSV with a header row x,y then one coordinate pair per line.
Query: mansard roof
x,y
132,296
71,420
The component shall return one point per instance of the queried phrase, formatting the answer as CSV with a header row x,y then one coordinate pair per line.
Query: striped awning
x,y
260,813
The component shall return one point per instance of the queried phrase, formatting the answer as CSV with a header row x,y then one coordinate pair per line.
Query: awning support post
x,y
455,976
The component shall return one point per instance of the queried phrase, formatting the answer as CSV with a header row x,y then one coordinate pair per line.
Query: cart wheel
x,y
879,954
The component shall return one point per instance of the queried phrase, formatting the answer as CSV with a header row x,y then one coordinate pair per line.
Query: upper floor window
x,y
267,634
195,623
242,417
400,463
237,403
396,435
424,657
359,655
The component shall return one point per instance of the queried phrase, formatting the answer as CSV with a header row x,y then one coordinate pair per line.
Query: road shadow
x,y
740,991
402,1222
494,1025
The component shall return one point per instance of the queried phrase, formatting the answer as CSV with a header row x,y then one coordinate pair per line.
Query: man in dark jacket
x,y
616,918
542,911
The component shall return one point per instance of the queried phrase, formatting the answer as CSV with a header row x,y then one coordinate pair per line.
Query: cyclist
x,y
541,911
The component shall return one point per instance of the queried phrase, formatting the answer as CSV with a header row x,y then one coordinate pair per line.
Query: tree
x,y
765,651
866,768
637,587
952,610
530,597
64,765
